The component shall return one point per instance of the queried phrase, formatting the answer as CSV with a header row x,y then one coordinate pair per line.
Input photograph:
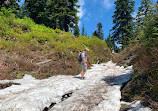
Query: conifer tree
x,y
122,19
76,31
35,9
144,11
52,19
60,14
83,30
109,41
10,4
73,18
22,12
95,33
99,32
86,34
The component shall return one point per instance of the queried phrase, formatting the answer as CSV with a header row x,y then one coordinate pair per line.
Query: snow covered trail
x,y
100,91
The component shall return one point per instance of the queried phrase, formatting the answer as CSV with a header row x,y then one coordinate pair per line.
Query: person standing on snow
x,y
84,62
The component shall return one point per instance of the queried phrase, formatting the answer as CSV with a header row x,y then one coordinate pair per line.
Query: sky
x,y
92,12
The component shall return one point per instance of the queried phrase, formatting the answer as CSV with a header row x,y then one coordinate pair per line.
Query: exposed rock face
x,y
100,91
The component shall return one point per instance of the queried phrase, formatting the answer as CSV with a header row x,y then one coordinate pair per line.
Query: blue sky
x,y
95,11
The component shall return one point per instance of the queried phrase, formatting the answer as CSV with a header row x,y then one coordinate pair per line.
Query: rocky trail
x,y
100,91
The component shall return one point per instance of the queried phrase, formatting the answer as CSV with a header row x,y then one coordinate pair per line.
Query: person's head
x,y
86,49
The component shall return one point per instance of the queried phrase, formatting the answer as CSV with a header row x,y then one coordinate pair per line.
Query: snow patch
x,y
99,91
136,106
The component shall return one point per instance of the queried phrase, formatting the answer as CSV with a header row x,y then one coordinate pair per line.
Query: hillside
x,y
28,48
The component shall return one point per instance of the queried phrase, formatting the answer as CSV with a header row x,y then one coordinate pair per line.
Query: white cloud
x,y
81,9
108,4
79,23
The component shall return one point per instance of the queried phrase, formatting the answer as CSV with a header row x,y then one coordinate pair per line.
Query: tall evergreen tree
x,y
86,34
52,12
35,9
22,12
60,14
83,30
95,33
73,18
99,32
76,31
144,11
122,19
109,41
10,4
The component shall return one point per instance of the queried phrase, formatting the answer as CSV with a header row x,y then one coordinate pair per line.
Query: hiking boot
x,y
83,78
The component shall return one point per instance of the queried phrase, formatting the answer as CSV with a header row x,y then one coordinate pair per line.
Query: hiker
x,y
84,62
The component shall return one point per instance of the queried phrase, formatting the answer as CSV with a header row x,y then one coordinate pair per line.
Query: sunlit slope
x,y
35,49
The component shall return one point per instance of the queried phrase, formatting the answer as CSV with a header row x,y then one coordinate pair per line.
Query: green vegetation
x,y
146,61
52,13
10,4
123,22
99,32
26,47
83,30
143,13
141,50
142,53
76,30
61,14
108,41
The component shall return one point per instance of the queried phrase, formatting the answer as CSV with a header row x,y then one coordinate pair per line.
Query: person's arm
x,y
84,61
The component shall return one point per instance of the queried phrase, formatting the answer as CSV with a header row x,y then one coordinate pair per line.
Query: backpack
x,y
80,57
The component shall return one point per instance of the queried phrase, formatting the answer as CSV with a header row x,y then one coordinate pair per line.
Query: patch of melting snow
x,y
136,106
100,91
